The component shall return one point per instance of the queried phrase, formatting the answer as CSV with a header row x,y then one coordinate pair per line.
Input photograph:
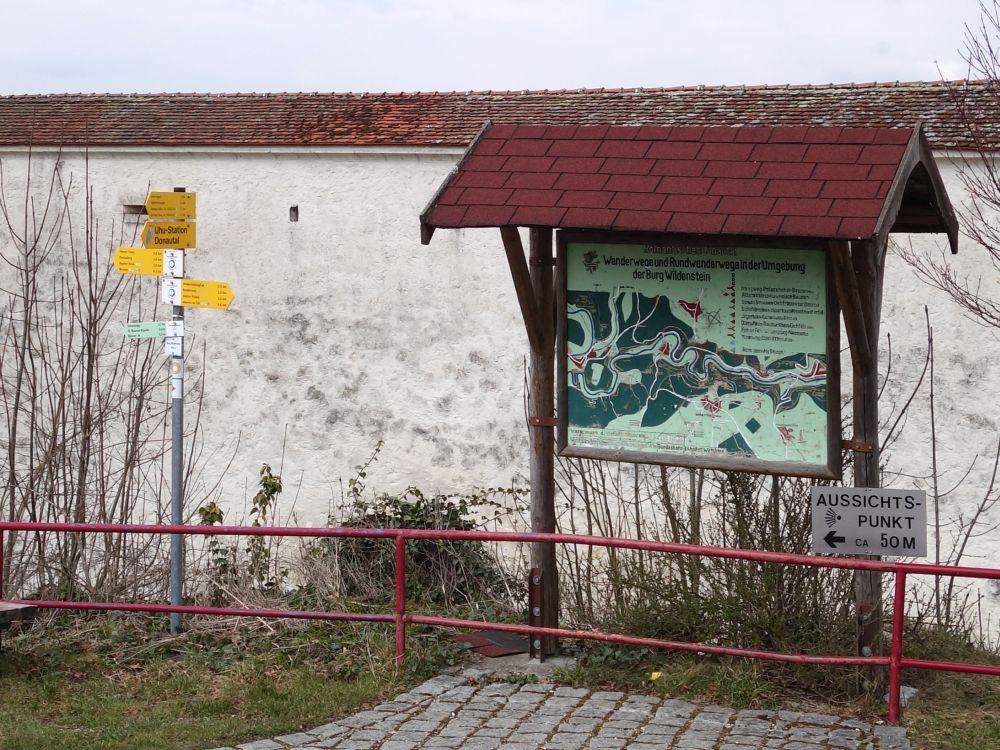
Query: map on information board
x,y
697,351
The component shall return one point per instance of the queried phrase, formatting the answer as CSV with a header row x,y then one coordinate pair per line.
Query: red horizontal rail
x,y
951,666
786,558
299,614
895,662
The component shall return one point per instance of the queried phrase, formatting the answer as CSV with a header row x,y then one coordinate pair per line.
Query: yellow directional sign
x,y
166,234
141,260
170,205
197,293
148,261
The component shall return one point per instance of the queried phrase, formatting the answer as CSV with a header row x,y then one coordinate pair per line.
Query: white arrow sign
x,y
869,521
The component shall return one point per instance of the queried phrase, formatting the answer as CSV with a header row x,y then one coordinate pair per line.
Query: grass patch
x,y
120,682
953,711
738,683
114,685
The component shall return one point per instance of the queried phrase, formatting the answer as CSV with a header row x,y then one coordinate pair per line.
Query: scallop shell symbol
x,y
831,517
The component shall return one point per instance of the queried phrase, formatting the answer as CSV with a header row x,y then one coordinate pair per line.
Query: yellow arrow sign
x,y
196,293
170,205
165,234
141,260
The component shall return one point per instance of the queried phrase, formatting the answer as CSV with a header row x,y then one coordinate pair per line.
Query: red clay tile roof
x,y
829,182
453,119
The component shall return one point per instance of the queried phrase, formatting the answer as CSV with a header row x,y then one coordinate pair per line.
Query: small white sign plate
x,y
173,263
173,346
170,291
866,521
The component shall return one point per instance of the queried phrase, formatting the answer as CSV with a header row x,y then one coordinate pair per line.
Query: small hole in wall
x,y
293,213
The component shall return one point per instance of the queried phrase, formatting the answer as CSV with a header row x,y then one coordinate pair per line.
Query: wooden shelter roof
x,y
821,182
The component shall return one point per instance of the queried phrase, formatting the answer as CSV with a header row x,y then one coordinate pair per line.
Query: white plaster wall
x,y
346,330
966,379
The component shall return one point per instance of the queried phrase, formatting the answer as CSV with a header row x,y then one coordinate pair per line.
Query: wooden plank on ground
x,y
15,612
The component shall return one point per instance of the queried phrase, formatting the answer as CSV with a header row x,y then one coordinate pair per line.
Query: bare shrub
x,y
734,602
439,572
83,437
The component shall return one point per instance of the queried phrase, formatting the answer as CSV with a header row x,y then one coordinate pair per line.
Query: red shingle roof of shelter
x,y
453,119
828,182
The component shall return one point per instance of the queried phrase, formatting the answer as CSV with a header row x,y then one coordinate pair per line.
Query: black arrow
x,y
831,538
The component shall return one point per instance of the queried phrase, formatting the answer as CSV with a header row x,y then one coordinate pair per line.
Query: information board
x,y
705,355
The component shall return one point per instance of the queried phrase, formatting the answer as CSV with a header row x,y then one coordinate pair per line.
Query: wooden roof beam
x,y
917,170
522,285
849,296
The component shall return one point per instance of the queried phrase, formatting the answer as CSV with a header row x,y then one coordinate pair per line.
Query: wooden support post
x,y
858,273
541,390
868,270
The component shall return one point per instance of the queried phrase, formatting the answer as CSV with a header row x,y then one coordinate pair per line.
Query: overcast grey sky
x,y
52,46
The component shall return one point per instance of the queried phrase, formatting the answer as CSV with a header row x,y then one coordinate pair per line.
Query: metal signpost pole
x,y
171,228
177,473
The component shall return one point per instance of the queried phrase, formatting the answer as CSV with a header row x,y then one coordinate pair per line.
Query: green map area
x,y
697,351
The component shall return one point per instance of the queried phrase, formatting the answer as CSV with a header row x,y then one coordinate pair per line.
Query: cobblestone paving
x,y
448,712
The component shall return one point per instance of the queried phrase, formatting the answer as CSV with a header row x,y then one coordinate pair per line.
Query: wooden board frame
x,y
834,465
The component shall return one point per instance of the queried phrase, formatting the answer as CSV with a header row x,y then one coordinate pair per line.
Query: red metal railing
x,y
895,662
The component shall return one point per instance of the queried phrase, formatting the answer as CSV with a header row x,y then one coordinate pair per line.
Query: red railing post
x,y
896,649
400,599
